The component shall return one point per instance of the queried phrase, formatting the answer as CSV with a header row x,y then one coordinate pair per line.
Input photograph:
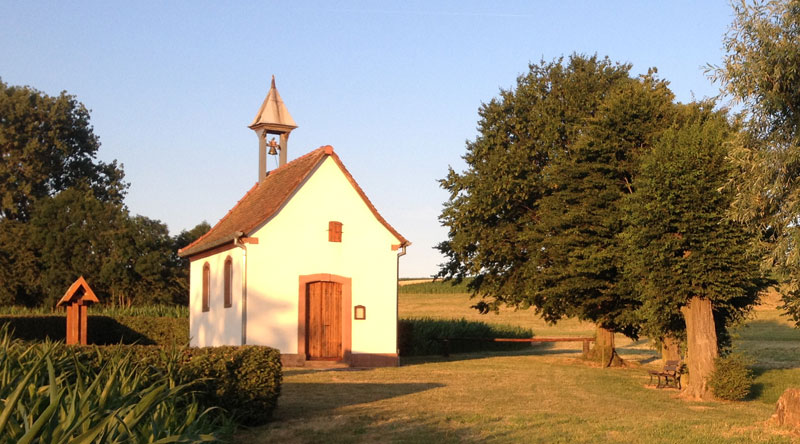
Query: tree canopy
x,y
47,145
62,213
761,71
694,268
536,214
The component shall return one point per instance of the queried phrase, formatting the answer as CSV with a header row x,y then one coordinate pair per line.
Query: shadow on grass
x,y
297,371
763,330
311,412
541,349
309,399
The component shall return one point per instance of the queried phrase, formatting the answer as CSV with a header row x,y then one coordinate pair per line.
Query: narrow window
x,y
228,280
206,285
334,231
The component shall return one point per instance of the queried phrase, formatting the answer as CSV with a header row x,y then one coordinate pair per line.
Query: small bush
x,y
421,336
244,380
732,379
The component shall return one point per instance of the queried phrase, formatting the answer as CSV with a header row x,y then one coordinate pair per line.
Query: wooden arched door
x,y
324,320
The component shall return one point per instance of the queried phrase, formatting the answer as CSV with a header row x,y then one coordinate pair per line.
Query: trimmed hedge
x,y
103,330
421,336
244,381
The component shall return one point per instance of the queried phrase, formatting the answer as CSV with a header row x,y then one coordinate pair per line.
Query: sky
x,y
394,87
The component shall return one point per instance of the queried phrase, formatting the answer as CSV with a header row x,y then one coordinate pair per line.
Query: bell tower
x,y
272,118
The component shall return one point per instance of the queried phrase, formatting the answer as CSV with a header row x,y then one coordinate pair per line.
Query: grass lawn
x,y
545,394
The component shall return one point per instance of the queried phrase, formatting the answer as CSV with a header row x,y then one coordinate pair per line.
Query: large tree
x,y
694,268
761,72
46,146
62,213
535,216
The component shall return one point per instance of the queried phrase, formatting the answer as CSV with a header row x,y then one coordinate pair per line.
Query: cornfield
x,y
58,394
158,311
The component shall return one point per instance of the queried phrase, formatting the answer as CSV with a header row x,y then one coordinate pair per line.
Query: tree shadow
x,y
538,349
297,371
101,330
772,344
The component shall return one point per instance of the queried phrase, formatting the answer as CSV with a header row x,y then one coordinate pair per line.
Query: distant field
x,y
542,395
429,286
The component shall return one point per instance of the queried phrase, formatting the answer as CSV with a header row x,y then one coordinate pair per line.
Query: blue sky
x,y
395,87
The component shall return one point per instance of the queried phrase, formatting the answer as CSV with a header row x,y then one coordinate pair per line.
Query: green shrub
x,y
244,380
422,336
732,379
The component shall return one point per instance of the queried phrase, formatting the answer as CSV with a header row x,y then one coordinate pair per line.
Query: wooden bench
x,y
670,372
446,342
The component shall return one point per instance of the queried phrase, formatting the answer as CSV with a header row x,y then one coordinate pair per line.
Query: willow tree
x,y
690,260
535,217
761,71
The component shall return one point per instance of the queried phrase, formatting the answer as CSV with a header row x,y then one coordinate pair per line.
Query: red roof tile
x,y
264,200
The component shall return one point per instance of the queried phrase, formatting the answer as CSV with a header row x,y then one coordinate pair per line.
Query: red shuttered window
x,y
334,231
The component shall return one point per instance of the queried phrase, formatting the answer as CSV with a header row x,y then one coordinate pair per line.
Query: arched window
x,y
206,286
228,281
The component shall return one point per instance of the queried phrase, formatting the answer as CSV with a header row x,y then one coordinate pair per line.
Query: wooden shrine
x,y
77,300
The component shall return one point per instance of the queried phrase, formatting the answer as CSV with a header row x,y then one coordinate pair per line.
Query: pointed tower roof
x,y
273,114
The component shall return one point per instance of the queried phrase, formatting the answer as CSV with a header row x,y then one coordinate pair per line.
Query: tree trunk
x,y
670,350
604,351
702,350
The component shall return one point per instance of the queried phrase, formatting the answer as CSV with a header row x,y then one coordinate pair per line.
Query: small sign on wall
x,y
360,312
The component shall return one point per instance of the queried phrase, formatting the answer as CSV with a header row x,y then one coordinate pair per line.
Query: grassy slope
x,y
541,395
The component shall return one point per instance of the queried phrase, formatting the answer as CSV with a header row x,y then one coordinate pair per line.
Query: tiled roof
x,y
265,199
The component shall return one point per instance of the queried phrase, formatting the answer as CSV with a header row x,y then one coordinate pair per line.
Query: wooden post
x,y
76,301
72,324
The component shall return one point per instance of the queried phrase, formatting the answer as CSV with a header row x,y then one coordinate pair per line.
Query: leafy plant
x,y
58,394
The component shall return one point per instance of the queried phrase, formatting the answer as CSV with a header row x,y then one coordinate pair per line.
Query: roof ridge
x,y
266,198
325,149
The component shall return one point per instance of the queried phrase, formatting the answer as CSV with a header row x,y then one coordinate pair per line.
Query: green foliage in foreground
x,y
732,380
53,394
437,287
103,330
421,336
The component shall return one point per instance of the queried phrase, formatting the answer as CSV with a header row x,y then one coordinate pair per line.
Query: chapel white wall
x,y
295,242
219,325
